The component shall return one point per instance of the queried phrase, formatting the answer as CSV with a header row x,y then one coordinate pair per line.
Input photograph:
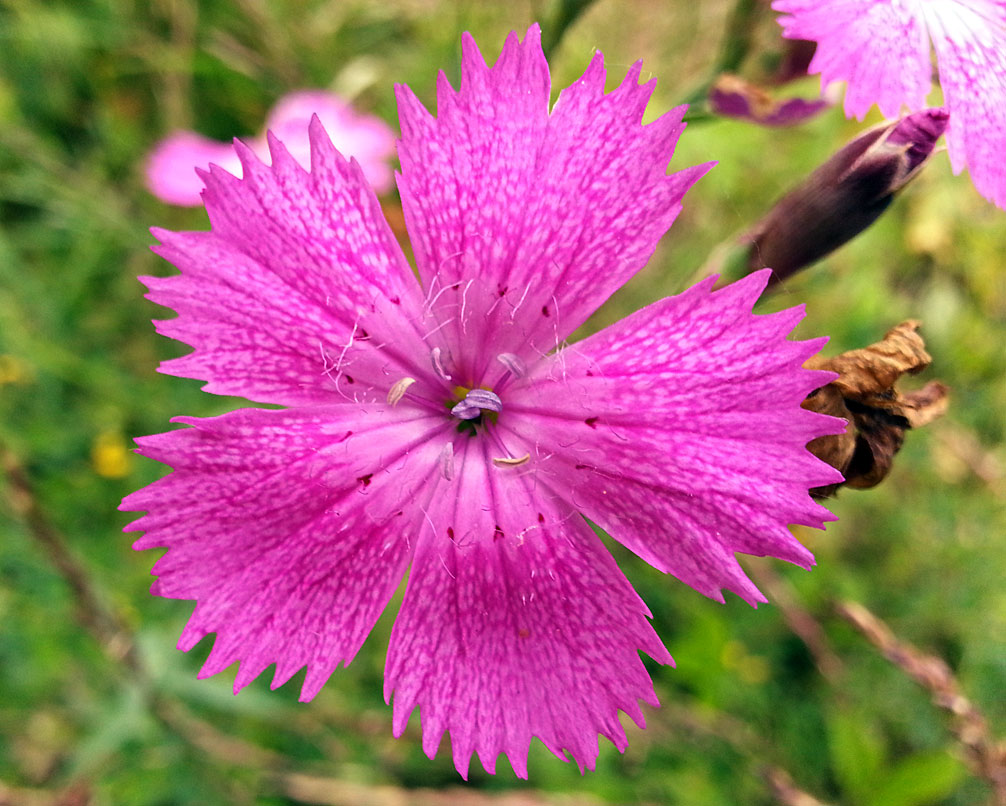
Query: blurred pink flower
x,y
171,174
881,48
447,425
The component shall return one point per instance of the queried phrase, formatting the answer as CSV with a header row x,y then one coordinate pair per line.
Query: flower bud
x,y
733,97
795,62
845,195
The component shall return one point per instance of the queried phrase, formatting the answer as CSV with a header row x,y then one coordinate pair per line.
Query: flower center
x,y
475,402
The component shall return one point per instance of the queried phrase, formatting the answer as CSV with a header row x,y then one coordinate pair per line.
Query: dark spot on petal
x,y
541,518
365,480
502,289
450,532
591,421
395,301
400,512
498,534
581,467
364,335
590,374
455,287
349,379
523,632
544,310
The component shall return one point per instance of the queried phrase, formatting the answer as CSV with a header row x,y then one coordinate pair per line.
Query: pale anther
x,y
397,391
507,461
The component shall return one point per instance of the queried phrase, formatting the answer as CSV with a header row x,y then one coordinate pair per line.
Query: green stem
x,y
733,50
567,13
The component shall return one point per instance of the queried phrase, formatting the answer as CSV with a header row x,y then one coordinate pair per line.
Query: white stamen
x,y
438,365
513,363
397,391
508,461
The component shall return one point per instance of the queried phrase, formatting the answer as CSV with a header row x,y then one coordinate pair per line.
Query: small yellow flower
x,y
110,456
12,370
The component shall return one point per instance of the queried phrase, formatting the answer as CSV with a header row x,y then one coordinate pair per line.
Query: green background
x,y
96,705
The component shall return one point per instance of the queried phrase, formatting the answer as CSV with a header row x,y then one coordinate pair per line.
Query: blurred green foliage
x,y
88,86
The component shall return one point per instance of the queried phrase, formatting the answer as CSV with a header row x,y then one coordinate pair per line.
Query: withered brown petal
x,y
878,414
872,371
926,404
835,449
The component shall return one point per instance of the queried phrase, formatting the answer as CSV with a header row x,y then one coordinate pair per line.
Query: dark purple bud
x,y
919,133
796,57
845,195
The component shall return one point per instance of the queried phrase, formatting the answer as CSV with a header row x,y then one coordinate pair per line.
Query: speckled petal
x,y
879,47
679,431
970,41
300,294
516,624
291,529
524,222
366,138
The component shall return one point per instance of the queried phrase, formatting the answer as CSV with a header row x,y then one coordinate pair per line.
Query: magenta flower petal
x,y
881,49
970,42
300,289
516,623
874,45
532,219
685,465
277,524
439,427
171,167
368,139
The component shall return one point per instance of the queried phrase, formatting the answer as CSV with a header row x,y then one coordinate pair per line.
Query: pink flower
x,y
881,48
448,426
171,168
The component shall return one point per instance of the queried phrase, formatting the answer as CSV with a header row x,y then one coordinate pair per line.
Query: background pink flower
x,y
446,425
171,174
881,48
